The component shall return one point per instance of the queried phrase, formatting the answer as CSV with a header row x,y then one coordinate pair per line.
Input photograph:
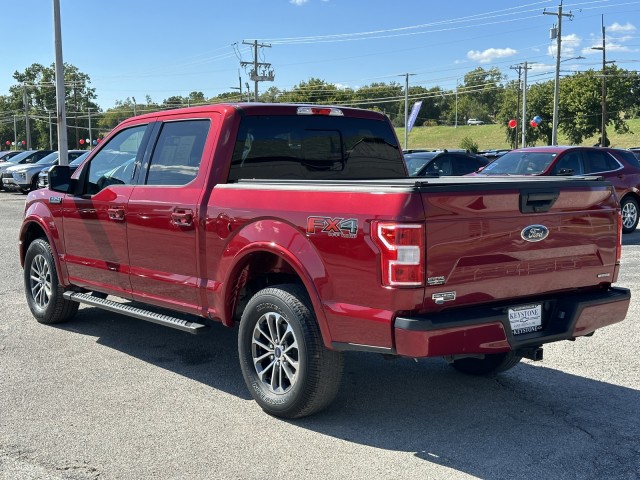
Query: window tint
x,y
569,161
315,147
176,157
520,163
464,165
114,163
595,162
629,157
415,161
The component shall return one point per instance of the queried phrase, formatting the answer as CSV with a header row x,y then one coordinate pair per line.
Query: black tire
x,y
629,207
42,289
295,375
489,365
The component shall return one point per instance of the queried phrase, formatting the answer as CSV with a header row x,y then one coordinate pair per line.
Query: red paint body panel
x,y
237,231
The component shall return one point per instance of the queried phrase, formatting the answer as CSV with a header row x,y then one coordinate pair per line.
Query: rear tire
x,y
489,365
629,207
285,365
42,289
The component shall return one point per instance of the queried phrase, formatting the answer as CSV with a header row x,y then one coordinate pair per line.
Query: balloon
x,y
512,123
533,124
538,119
7,143
81,141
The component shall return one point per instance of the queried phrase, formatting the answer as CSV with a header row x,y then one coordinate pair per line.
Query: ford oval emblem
x,y
534,233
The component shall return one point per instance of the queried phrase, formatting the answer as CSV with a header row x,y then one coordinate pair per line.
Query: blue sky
x,y
134,48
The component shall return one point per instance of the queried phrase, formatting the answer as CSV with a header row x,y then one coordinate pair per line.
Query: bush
x,y
430,123
468,144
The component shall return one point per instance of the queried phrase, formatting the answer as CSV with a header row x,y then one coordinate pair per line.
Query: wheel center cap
x,y
278,352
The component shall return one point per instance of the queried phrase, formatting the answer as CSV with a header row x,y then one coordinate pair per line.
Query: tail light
x,y
402,253
334,112
619,243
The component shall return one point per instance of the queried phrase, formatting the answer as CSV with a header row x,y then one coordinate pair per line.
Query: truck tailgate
x,y
509,239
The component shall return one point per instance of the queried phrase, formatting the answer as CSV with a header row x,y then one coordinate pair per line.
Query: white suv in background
x,y
474,121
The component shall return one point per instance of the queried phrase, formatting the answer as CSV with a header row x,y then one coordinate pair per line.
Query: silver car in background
x,y
43,176
24,177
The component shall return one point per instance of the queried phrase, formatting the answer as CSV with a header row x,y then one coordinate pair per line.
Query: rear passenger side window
x,y
176,157
596,162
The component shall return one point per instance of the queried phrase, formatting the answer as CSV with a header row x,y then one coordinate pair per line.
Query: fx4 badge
x,y
334,227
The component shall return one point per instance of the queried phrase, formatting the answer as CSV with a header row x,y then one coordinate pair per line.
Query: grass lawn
x,y
493,136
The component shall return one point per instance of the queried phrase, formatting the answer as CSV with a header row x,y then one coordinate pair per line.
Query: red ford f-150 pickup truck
x,y
301,225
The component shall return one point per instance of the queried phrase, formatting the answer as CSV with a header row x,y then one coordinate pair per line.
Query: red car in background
x,y
620,167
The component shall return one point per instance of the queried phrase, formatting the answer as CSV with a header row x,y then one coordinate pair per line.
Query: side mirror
x,y
60,179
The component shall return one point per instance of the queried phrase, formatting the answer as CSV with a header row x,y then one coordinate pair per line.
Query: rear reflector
x,y
320,111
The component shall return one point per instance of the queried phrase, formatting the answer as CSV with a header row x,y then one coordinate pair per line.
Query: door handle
x,y
116,213
183,217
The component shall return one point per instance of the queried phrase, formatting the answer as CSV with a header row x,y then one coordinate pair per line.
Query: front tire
x,y
42,289
629,207
285,365
491,364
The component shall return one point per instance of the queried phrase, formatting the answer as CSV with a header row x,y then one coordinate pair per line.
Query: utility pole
x,y
134,106
557,34
518,68
262,72
90,135
603,128
456,124
63,152
50,132
239,87
524,105
26,115
15,134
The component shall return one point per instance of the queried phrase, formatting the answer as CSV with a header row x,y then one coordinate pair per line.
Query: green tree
x,y
36,85
480,95
580,108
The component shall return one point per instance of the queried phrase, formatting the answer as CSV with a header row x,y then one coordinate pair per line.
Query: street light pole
x,y
63,148
406,108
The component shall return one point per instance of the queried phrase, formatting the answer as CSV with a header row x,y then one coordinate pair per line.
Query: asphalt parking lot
x,y
110,397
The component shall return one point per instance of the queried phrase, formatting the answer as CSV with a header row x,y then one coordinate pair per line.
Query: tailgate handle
x,y
536,201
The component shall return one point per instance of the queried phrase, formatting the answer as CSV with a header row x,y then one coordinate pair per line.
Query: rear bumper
x,y
487,330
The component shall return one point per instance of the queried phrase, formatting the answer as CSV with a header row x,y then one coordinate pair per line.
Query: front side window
x,y
114,164
178,152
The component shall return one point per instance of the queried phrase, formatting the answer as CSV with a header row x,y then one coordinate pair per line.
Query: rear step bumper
x,y
139,313
484,330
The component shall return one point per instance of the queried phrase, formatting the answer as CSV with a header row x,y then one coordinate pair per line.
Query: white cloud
x,y
298,2
490,54
569,45
616,27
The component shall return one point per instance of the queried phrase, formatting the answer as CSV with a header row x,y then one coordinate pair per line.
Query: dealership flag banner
x,y
414,114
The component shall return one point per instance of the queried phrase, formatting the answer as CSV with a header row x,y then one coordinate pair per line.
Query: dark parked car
x,y
620,167
421,164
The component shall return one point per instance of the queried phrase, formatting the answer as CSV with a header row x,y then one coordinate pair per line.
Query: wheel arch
x,y
36,226
262,261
